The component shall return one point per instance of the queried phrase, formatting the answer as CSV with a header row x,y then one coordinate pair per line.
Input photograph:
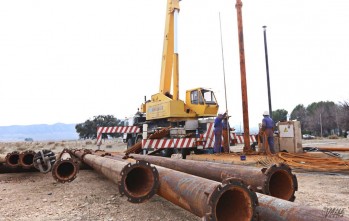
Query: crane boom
x,y
169,65
165,105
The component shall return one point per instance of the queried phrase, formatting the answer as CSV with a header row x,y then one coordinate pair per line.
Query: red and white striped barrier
x,y
169,143
209,137
240,138
119,129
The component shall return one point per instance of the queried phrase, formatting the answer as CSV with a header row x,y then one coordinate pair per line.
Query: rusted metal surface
x,y
138,180
65,168
211,200
274,209
276,180
333,148
44,160
312,163
137,147
5,169
26,159
2,158
12,159
247,147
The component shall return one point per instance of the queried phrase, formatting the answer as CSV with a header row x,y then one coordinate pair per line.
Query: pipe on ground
x,y
2,158
12,159
274,209
277,180
26,159
208,199
138,181
66,168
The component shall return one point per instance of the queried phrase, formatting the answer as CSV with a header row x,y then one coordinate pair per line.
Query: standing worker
x,y
218,128
225,132
268,129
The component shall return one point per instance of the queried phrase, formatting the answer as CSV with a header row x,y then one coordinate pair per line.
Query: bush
x,y
333,136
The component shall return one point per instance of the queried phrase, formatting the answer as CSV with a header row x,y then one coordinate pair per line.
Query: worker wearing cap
x,y
218,128
268,128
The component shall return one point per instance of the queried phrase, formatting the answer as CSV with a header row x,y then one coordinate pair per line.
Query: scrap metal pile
x,y
212,191
307,162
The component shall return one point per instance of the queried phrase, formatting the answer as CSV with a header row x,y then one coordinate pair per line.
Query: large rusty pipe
x,y
5,169
2,158
138,181
277,180
274,209
12,159
66,168
26,159
333,148
247,146
205,198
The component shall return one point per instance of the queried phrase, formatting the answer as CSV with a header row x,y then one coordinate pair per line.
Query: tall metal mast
x,y
247,146
267,68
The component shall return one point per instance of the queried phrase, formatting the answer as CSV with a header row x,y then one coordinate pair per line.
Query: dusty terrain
x,y
36,196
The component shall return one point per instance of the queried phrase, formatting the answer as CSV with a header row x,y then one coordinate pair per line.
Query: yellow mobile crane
x,y
187,120
166,106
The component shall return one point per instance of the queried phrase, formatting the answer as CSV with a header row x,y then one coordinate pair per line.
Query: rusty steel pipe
x,y
277,180
66,168
2,158
12,159
274,209
26,159
208,199
138,181
247,147
333,148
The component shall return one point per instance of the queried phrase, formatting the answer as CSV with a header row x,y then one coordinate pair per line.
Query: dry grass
x,y
333,137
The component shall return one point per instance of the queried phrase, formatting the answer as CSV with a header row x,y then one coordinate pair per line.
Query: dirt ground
x,y
36,196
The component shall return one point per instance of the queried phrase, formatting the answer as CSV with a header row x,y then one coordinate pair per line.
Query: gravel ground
x,y
36,196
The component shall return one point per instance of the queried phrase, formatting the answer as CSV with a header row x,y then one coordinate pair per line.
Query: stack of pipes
x,y
277,181
205,198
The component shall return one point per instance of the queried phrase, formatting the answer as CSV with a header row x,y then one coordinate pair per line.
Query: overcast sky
x,y
67,61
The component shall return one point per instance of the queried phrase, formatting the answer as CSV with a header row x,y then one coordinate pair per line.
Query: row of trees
x,y
88,129
319,118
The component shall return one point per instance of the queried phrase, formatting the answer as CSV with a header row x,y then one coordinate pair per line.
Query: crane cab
x,y
202,101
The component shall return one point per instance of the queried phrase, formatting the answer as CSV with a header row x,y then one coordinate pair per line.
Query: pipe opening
x,y
13,159
281,185
66,170
235,205
27,159
140,181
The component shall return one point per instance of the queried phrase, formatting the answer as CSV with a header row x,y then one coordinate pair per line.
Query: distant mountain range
x,y
39,132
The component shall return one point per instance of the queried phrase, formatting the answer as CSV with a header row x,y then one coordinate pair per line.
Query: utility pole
x,y
267,68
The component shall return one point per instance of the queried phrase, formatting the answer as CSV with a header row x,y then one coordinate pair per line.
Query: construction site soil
x,y
36,196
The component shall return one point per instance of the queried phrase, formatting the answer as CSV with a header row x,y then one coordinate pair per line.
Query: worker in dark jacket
x,y
218,128
225,133
268,129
